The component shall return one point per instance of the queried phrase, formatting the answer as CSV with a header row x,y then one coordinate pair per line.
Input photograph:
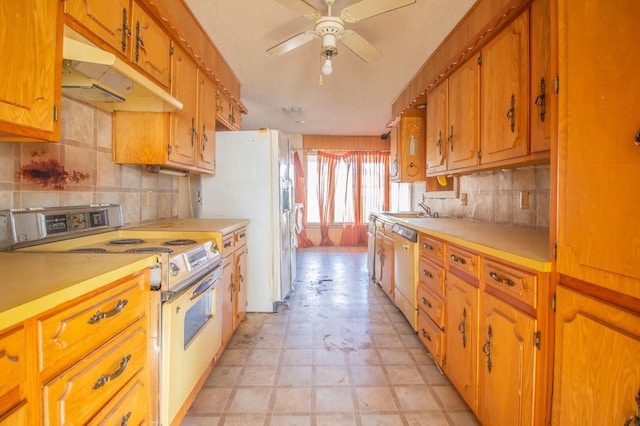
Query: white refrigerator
x,y
254,180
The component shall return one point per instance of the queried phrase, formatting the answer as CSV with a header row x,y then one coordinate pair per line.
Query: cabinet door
x,y
109,21
437,129
542,94
506,365
463,130
461,321
241,284
505,93
228,298
206,156
412,152
599,152
597,362
151,49
184,131
31,70
386,274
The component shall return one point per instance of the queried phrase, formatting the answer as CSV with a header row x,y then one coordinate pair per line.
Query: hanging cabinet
x,y
109,21
30,87
151,46
408,153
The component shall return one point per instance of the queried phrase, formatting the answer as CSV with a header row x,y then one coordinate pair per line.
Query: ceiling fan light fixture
x,y
327,67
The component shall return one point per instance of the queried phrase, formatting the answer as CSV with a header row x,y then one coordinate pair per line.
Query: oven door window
x,y
198,315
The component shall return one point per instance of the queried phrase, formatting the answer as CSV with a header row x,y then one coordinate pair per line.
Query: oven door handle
x,y
204,287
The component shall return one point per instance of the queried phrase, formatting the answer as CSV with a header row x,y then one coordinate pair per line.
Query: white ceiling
x,y
284,92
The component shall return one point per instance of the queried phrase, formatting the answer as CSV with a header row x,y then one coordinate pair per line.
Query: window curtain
x,y
367,189
300,193
327,164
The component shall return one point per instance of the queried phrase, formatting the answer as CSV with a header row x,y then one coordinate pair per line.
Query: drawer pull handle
x,y
427,273
427,246
427,303
13,359
426,335
98,316
635,420
125,419
486,349
460,260
497,278
108,377
462,327
637,140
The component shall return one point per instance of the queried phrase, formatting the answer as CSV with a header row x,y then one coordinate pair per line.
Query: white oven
x,y
191,336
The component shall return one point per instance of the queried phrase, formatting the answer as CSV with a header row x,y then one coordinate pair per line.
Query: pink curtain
x,y
300,195
326,193
365,170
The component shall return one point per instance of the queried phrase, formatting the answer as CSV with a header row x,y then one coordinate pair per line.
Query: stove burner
x,y
89,250
127,241
150,250
179,242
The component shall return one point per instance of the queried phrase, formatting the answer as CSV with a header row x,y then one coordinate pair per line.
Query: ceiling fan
x,y
331,28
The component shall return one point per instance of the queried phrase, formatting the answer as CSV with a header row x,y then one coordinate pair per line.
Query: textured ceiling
x,y
284,92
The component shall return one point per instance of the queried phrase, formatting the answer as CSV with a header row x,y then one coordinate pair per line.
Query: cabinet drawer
x,y
129,406
432,276
17,416
512,281
240,237
67,335
463,260
431,336
431,248
227,245
432,305
12,360
77,394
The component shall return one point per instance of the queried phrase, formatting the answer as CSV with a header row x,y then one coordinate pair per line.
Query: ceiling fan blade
x,y
367,8
301,7
361,47
290,44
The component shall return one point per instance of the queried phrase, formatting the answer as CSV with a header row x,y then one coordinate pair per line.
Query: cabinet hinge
x,y
554,250
55,113
479,155
553,303
479,59
556,85
537,337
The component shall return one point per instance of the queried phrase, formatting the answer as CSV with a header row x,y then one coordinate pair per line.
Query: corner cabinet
x,y
30,88
407,163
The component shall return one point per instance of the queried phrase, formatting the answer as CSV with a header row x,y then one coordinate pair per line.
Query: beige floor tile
x,y
375,399
342,419
364,357
325,357
290,421
211,400
427,418
415,398
381,420
292,400
404,375
449,397
297,356
396,356
200,421
257,375
331,375
223,377
295,376
369,375
264,357
244,420
233,357
250,400
333,399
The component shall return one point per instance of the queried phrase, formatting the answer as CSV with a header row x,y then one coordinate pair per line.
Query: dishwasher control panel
x,y
405,232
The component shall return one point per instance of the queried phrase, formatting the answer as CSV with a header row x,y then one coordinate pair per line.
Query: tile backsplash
x,y
494,197
79,170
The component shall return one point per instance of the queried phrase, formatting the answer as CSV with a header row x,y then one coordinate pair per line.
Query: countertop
x,y
222,225
521,246
32,283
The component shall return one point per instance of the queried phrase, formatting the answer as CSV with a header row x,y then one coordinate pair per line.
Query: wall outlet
x,y
464,199
149,198
524,199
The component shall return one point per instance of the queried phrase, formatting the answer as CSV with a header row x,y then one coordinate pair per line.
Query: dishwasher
x,y
405,256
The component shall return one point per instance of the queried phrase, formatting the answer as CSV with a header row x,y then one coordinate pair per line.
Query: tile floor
x,y
341,355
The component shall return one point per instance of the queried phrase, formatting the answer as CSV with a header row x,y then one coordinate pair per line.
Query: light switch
x,y
524,199
149,198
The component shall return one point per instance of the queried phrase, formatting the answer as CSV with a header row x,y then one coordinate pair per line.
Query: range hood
x,y
93,75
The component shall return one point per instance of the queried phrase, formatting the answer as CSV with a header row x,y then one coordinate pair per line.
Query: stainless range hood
x,y
92,75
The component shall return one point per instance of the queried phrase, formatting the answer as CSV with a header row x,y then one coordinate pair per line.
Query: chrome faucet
x,y
427,210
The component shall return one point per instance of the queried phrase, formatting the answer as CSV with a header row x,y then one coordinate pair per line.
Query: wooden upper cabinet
x,y
463,128
436,136
505,93
184,126
206,155
30,87
151,46
542,84
227,112
599,143
109,21
410,152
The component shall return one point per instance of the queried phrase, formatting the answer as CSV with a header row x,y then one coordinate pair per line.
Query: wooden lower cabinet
x,y
461,349
13,380
240,259
384,260
597,362
506,364
228,298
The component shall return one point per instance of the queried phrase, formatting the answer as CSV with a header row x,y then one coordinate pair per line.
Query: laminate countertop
x,y
32,283
521,246
221,225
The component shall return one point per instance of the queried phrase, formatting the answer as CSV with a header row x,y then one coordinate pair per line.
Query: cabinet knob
x,y
499,279
540,100
511,113
637,141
